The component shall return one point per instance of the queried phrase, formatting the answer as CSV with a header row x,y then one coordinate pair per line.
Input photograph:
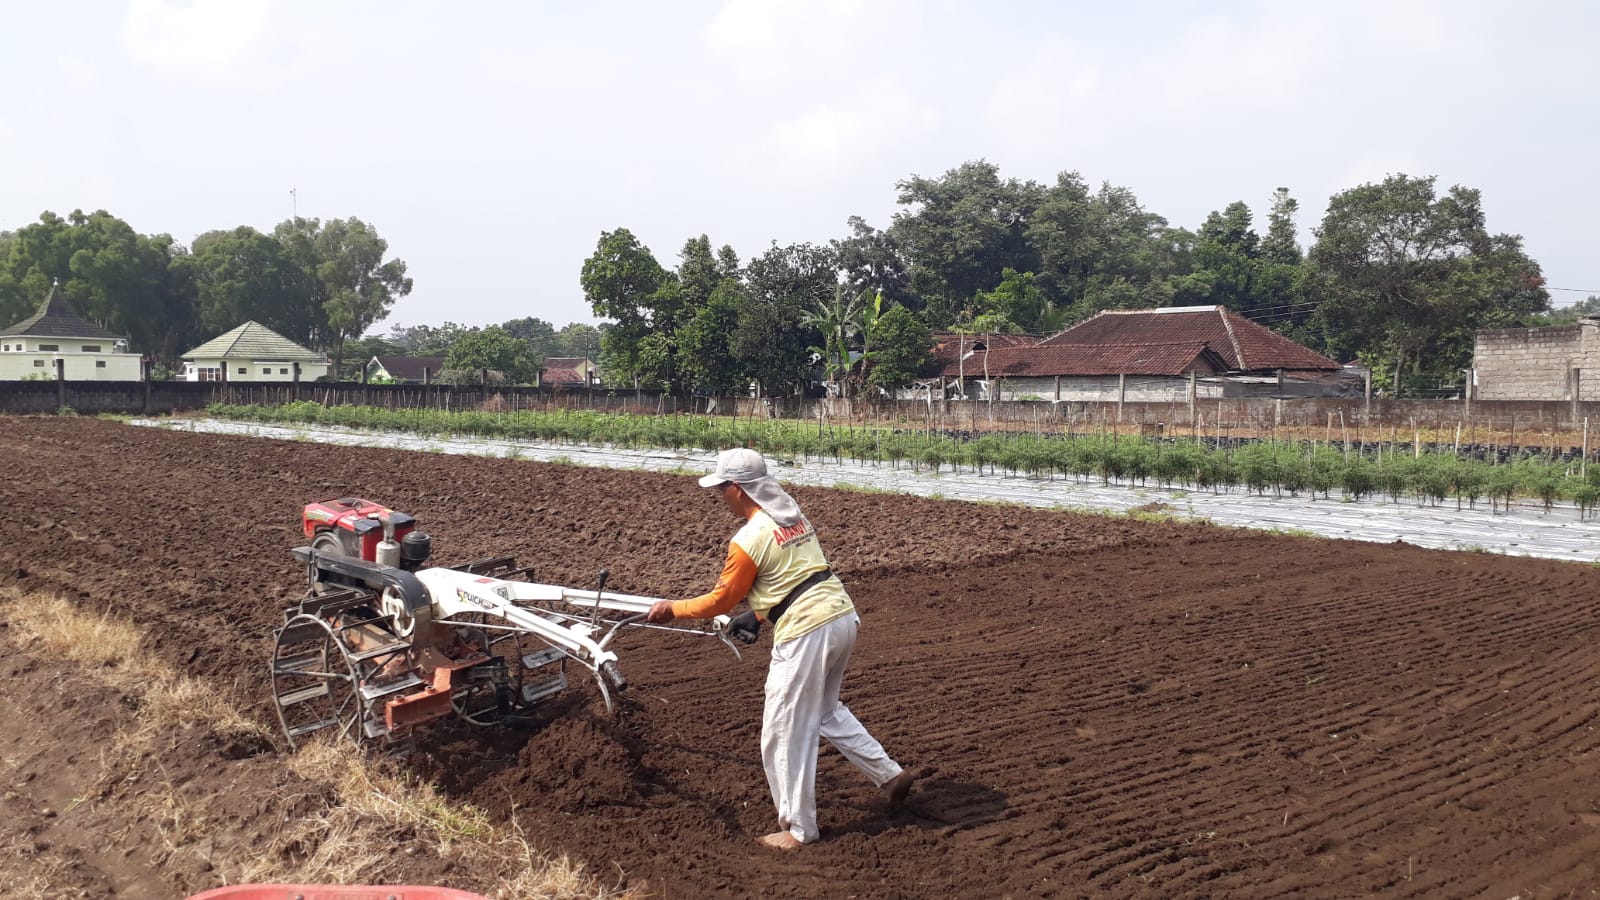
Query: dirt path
x,y
1099,705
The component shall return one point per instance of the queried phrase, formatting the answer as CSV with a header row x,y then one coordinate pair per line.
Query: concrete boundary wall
x,y
1205,415
164,397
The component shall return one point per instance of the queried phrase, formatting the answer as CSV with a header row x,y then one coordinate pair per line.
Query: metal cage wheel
x,y
315,685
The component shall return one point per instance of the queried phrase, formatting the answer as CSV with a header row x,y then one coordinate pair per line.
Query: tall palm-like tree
x,y
841,319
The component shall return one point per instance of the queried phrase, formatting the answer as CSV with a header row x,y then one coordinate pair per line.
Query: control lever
x,y
595,621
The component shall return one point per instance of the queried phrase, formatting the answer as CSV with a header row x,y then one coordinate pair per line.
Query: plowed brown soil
x,y
1097,705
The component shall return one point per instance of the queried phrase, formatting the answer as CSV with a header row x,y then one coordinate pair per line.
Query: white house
x,y
404,369
252,352
30,348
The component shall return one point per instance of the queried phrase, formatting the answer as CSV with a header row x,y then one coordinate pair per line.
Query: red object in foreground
x,y
333,892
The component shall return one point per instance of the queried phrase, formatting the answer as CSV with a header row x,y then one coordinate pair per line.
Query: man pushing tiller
x,y
776,562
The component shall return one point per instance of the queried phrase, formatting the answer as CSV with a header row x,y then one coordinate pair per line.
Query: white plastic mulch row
x,y
1526,530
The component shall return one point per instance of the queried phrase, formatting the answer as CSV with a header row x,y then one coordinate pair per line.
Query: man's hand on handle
x,y
745,627
660,613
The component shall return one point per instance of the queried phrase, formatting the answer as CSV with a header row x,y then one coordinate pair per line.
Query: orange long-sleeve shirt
x,y
738,574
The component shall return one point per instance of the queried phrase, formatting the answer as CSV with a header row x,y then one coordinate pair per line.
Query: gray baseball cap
x,y
748,469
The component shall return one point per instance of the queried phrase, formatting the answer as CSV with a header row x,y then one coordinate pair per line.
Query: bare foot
x,y
780,840
898,787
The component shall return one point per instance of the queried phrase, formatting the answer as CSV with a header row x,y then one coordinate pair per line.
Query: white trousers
x,y
803,705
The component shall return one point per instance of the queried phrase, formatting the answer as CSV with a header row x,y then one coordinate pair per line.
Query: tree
x,y
1568,315
123,280
700,272
841,319
1226,262
709,364
622,281
1135,254
1015,305
1281,244
360,285
902,351
873,260
771,346
728,263
1412,275
348,286
539,334
243,275
1102,251
1062,233
107,273
797,275
425,340
493,348
772,342
705,315
961,231
578,339
167,322
177,318
36,256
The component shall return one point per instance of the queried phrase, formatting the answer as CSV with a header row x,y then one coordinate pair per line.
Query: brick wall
x,y
1536,363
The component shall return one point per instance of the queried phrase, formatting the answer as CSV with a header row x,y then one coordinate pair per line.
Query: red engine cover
x,y
357,518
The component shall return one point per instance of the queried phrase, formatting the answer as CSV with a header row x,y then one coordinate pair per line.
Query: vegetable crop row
x,y
1278,468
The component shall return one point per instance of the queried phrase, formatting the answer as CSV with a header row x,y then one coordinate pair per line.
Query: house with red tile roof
x,y
568,373
1244,346
1163,355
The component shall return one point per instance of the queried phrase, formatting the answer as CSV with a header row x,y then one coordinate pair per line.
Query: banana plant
x,y
842,318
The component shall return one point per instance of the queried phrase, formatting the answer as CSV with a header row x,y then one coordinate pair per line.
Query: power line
x,y
1574,290
1281,306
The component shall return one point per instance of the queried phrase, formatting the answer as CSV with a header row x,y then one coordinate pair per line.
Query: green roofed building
x,y
252,352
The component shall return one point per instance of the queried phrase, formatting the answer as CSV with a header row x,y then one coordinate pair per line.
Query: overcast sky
x,y
491,143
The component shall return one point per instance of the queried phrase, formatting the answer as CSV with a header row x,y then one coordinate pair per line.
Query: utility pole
x,y
294,202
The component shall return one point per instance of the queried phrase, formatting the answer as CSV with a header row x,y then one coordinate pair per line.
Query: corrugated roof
x,y
565,370
948,347
255,341
56,319
411,367
1243,345
1090,360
